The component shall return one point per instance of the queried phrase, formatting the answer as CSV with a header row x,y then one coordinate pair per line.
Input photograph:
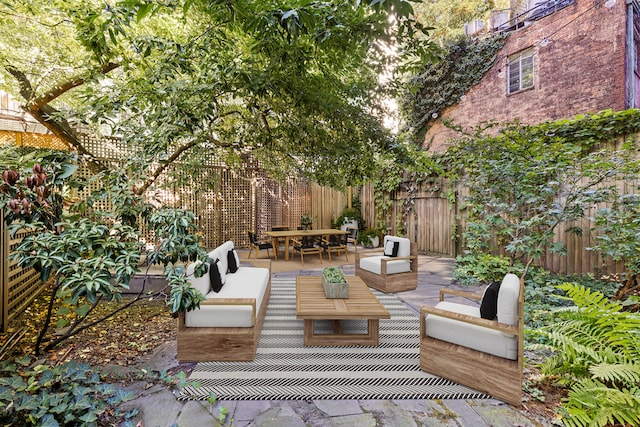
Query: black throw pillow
x,y
391,248
214,276
489,303
231,261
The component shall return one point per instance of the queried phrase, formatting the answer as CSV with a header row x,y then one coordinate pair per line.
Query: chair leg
x,y
302,257
251,250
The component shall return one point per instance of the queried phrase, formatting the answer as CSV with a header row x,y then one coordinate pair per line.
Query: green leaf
x,y
143,11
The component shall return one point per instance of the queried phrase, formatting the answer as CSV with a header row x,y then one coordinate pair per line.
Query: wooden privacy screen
x,y
18,287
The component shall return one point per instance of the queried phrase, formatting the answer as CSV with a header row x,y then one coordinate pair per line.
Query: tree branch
x,y
163,166
45,114
64,87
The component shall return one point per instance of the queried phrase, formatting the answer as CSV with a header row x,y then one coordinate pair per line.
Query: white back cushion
x,y
404,248
200,283
508,299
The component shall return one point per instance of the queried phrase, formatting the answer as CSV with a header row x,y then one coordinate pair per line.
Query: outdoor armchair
x,y
480,347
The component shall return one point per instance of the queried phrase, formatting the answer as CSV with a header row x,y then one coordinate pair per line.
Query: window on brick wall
x,y
520,71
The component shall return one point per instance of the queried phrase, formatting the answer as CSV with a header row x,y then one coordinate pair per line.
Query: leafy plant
x,y
306,220
333,275
524,183
69,394
618,227
593,351
483,268
365,236
91,258
349,214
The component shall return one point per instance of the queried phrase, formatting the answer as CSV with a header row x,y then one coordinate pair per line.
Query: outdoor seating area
x,y
283,205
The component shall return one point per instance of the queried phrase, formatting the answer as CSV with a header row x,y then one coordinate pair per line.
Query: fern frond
x,y
588,300
591,403
618,373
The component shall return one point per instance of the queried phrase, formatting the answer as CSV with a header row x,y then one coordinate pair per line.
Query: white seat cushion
x,y
476,337
247,282
373,264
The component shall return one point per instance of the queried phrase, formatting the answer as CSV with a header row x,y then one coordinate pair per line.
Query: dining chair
x,y
335,243
307,245
254,243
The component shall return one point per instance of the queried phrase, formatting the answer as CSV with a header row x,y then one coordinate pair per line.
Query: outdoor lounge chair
x,y
458,344
394,270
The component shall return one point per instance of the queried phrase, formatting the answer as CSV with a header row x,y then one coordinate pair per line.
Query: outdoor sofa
x,y
227,325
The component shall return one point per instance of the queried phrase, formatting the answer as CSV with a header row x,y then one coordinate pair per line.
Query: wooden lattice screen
x,y
18,286
38,140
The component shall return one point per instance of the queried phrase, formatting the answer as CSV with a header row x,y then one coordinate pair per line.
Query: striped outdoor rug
x,y
284,369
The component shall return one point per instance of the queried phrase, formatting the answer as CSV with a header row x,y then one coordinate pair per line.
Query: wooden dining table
x,y
288,234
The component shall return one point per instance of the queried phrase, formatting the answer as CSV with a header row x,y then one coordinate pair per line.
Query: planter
x,y
332,288
373,242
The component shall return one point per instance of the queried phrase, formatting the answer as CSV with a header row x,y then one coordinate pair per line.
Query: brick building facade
x,y
572,61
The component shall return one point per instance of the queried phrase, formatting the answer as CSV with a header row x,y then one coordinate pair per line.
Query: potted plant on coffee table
x,y
334,283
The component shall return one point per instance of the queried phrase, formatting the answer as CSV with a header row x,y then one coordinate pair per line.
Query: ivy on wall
x,y
583,133
443,83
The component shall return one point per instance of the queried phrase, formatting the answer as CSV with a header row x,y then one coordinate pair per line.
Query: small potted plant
x,y
305,221
369,238
334,283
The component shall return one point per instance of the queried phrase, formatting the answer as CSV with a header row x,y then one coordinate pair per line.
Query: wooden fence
x,y
436,224
18,287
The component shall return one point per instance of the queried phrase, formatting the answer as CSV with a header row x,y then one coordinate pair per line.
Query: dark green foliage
x,y
526,181
594,349
483,268
66,395
90,258
443,82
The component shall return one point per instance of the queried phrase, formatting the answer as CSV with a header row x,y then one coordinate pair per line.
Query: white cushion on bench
x,y
374,265
247,282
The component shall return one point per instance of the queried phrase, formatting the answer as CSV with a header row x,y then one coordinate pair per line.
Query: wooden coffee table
x,y
311,305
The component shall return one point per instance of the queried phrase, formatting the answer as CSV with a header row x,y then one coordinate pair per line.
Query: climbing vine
x,y
443,83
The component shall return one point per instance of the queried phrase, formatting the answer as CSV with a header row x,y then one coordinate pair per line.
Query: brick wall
x,y
580,70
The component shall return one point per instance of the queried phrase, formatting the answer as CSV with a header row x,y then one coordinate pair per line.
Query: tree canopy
x,y
293,84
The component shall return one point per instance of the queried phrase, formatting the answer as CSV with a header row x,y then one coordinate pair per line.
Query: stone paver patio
x,y
158,406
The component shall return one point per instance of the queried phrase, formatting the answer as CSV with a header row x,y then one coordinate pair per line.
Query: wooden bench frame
x,y
205,344
389,283
497,376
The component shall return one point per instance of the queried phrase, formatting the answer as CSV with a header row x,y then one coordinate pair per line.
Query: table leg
x,y
339,338
275,244
286,248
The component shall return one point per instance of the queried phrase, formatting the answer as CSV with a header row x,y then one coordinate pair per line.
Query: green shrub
x,y
483,268
69,394
593,350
